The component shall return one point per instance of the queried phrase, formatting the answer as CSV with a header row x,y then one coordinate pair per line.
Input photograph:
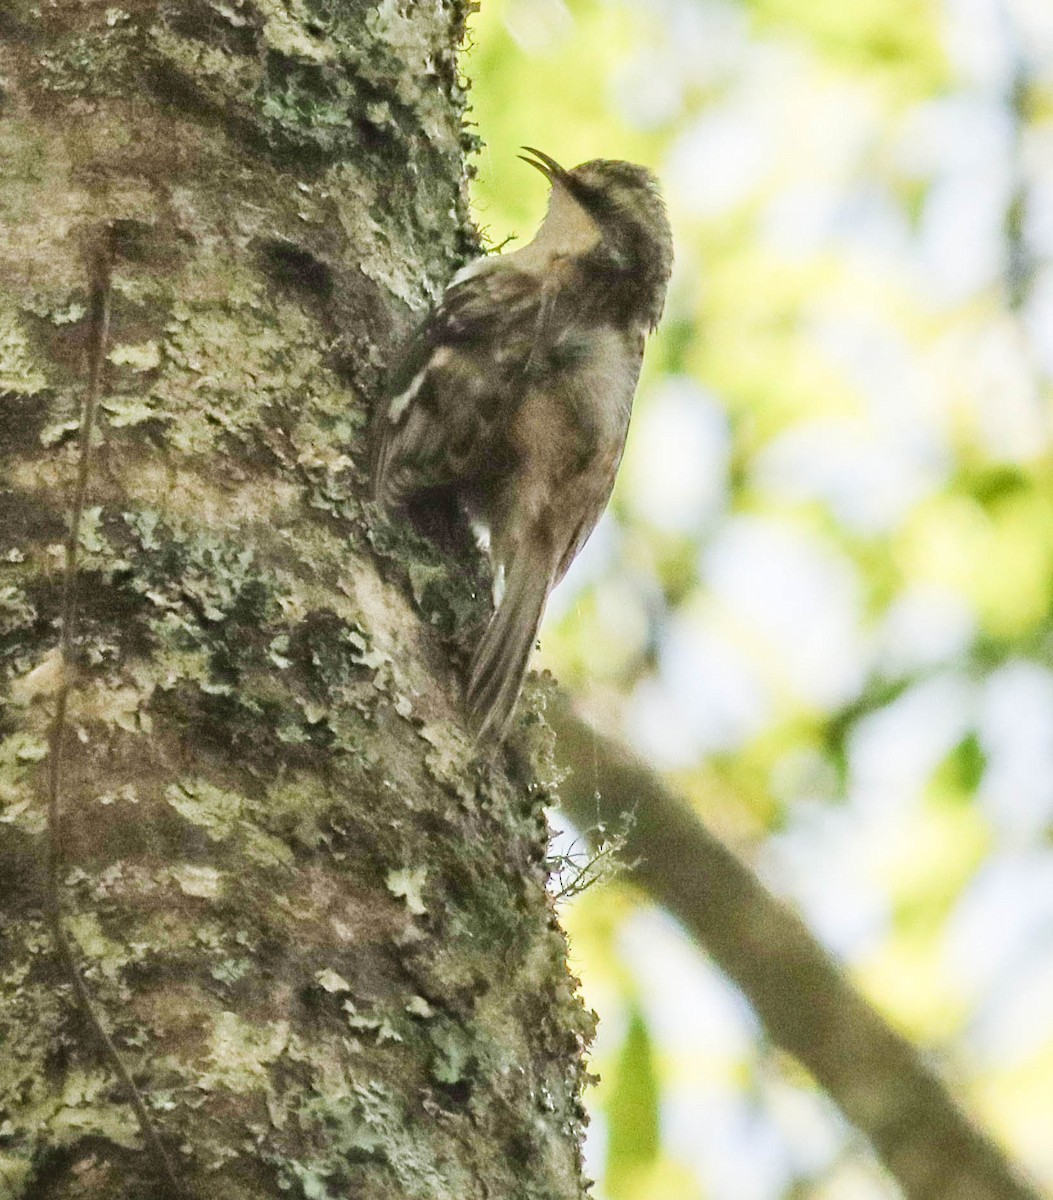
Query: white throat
x,y
567,230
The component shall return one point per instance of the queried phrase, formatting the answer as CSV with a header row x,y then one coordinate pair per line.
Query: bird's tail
x,y
500,660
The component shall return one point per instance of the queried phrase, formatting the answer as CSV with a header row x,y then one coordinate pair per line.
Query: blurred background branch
x,y
809,1009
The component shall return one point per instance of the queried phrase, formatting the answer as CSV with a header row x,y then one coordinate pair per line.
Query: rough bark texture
x,y
312,918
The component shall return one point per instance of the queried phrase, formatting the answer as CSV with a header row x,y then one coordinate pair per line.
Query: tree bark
x,y
310,919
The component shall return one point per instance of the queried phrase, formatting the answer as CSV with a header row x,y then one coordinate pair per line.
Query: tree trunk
x,y
301,912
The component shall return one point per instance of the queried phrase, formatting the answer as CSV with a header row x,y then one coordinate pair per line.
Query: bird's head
x,y
613,212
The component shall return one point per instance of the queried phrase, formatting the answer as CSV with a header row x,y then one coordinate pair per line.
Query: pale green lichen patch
x,y
20,373
63,312
212,809
451,760
36,263
99,64
300,807
240,1052
122,412
329,981
228,370
291,29
367,1121
19,805
409,885
106,956
84,1107
214,75
224,816
89,533
405,38
203,883
144,357
15,1172
87,1109
121,706
17,611
379,1026
454,1051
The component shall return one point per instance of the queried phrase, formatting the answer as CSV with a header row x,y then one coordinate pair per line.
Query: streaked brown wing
x,y
457,385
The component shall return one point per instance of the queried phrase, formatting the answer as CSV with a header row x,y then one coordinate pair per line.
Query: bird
x,y
514,398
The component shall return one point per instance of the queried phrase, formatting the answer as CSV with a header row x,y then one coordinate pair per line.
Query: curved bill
x,y
544,163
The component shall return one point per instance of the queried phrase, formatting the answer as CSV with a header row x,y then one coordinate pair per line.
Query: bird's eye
x,y
592,197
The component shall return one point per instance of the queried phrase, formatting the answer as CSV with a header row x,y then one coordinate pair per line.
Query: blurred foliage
x,y
822,598
900,38
632,1112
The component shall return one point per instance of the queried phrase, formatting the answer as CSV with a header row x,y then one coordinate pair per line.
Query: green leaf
x,y
960,773
632,1111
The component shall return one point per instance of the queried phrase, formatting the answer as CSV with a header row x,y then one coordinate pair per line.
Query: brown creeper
x,y
516,392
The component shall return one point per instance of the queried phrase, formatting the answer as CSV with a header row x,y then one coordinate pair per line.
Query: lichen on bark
x,y
313,917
